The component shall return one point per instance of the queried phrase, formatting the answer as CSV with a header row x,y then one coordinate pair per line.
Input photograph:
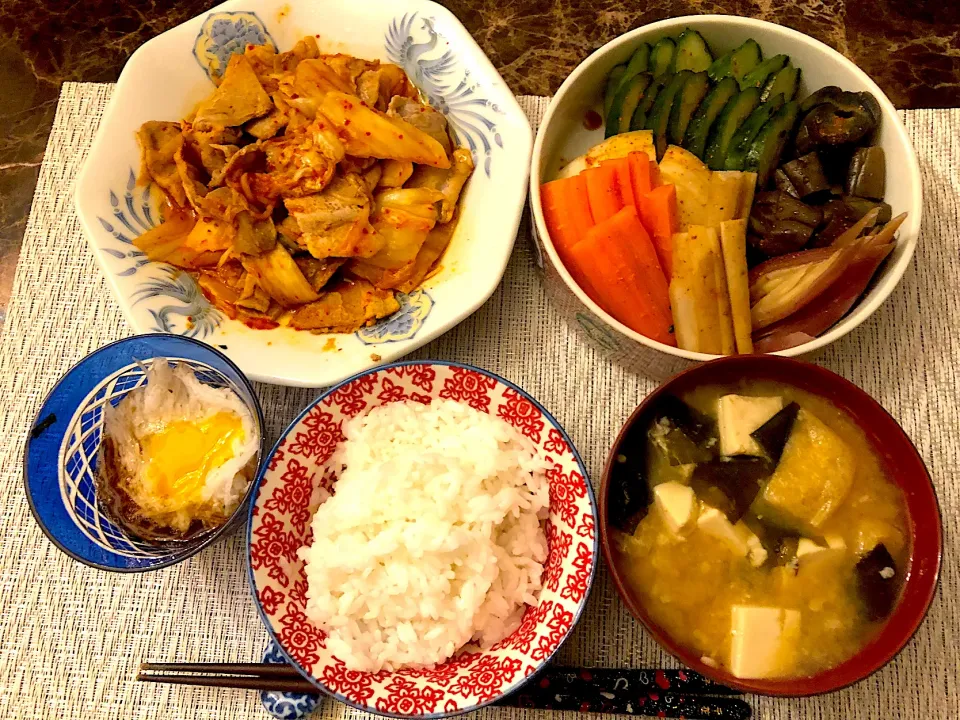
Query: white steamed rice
x,y
434,537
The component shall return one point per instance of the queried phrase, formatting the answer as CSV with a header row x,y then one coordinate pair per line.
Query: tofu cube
x,y
812,478
739,538
714,523
675,502
835,541
763,642
740,415
808,547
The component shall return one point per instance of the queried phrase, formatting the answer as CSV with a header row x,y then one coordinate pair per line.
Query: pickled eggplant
x,y
780,223
785,207
841,120
784,183
822,95
867,174
806,175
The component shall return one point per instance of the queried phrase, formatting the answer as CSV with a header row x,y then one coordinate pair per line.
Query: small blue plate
x,y
60,455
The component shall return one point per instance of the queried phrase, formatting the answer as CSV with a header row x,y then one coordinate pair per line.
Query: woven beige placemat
x,y
72,637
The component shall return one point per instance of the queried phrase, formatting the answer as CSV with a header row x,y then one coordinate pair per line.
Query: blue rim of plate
x,y
256,493
65,397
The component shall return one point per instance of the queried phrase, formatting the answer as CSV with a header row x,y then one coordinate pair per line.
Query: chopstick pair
x,y
661,693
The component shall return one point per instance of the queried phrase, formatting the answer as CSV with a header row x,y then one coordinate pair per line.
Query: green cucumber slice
x,y
744,137
625,103
695,138
661,57
692,53
685,104
734,113
736,63
763,157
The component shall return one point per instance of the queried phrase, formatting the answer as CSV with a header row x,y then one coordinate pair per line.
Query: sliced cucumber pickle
x,y
759,75
692,53
763,157
736,63
639,121
625,103
783,82
659,117
661,57
744,137
695,138
733,115
685,104
613,84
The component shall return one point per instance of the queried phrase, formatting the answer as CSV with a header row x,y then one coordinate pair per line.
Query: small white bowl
x,y
562,137
166,77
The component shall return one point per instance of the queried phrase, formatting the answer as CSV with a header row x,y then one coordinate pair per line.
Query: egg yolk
x,y
182,454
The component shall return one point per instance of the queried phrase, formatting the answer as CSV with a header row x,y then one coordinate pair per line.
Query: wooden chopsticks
x,y
663,693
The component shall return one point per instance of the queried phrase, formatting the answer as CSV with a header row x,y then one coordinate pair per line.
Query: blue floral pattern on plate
x,y
404,324
437,74
191,314
226,33
285,705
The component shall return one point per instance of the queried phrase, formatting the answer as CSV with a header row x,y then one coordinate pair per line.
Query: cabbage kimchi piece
x,y
305,189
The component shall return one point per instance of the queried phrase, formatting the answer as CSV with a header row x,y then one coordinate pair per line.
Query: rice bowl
x,y
302,472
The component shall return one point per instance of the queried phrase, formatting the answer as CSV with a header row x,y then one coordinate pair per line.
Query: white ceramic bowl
x,y
562,137
166,77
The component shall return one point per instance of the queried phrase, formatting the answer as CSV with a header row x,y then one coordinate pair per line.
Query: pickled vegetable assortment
x,y
779,222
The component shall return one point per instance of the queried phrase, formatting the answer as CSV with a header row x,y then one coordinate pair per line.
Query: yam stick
x,y
733,242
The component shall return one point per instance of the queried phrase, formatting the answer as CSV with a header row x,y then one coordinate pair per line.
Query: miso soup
x,y
768,538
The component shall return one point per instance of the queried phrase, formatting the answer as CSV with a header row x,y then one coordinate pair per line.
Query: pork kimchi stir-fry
x,y
306,190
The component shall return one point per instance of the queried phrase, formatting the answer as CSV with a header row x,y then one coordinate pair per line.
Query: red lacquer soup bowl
x,y
299,475
904,467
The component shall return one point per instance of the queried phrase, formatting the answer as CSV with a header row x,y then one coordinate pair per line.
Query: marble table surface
x,y
910,47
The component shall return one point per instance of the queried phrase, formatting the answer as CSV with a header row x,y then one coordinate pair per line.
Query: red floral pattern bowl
x,y
297,477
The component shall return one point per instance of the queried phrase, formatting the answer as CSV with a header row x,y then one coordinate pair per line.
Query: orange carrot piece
x,y
575,196
655,180
621,167
632,292
640,175
559,217
566,223
603,190
658,212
